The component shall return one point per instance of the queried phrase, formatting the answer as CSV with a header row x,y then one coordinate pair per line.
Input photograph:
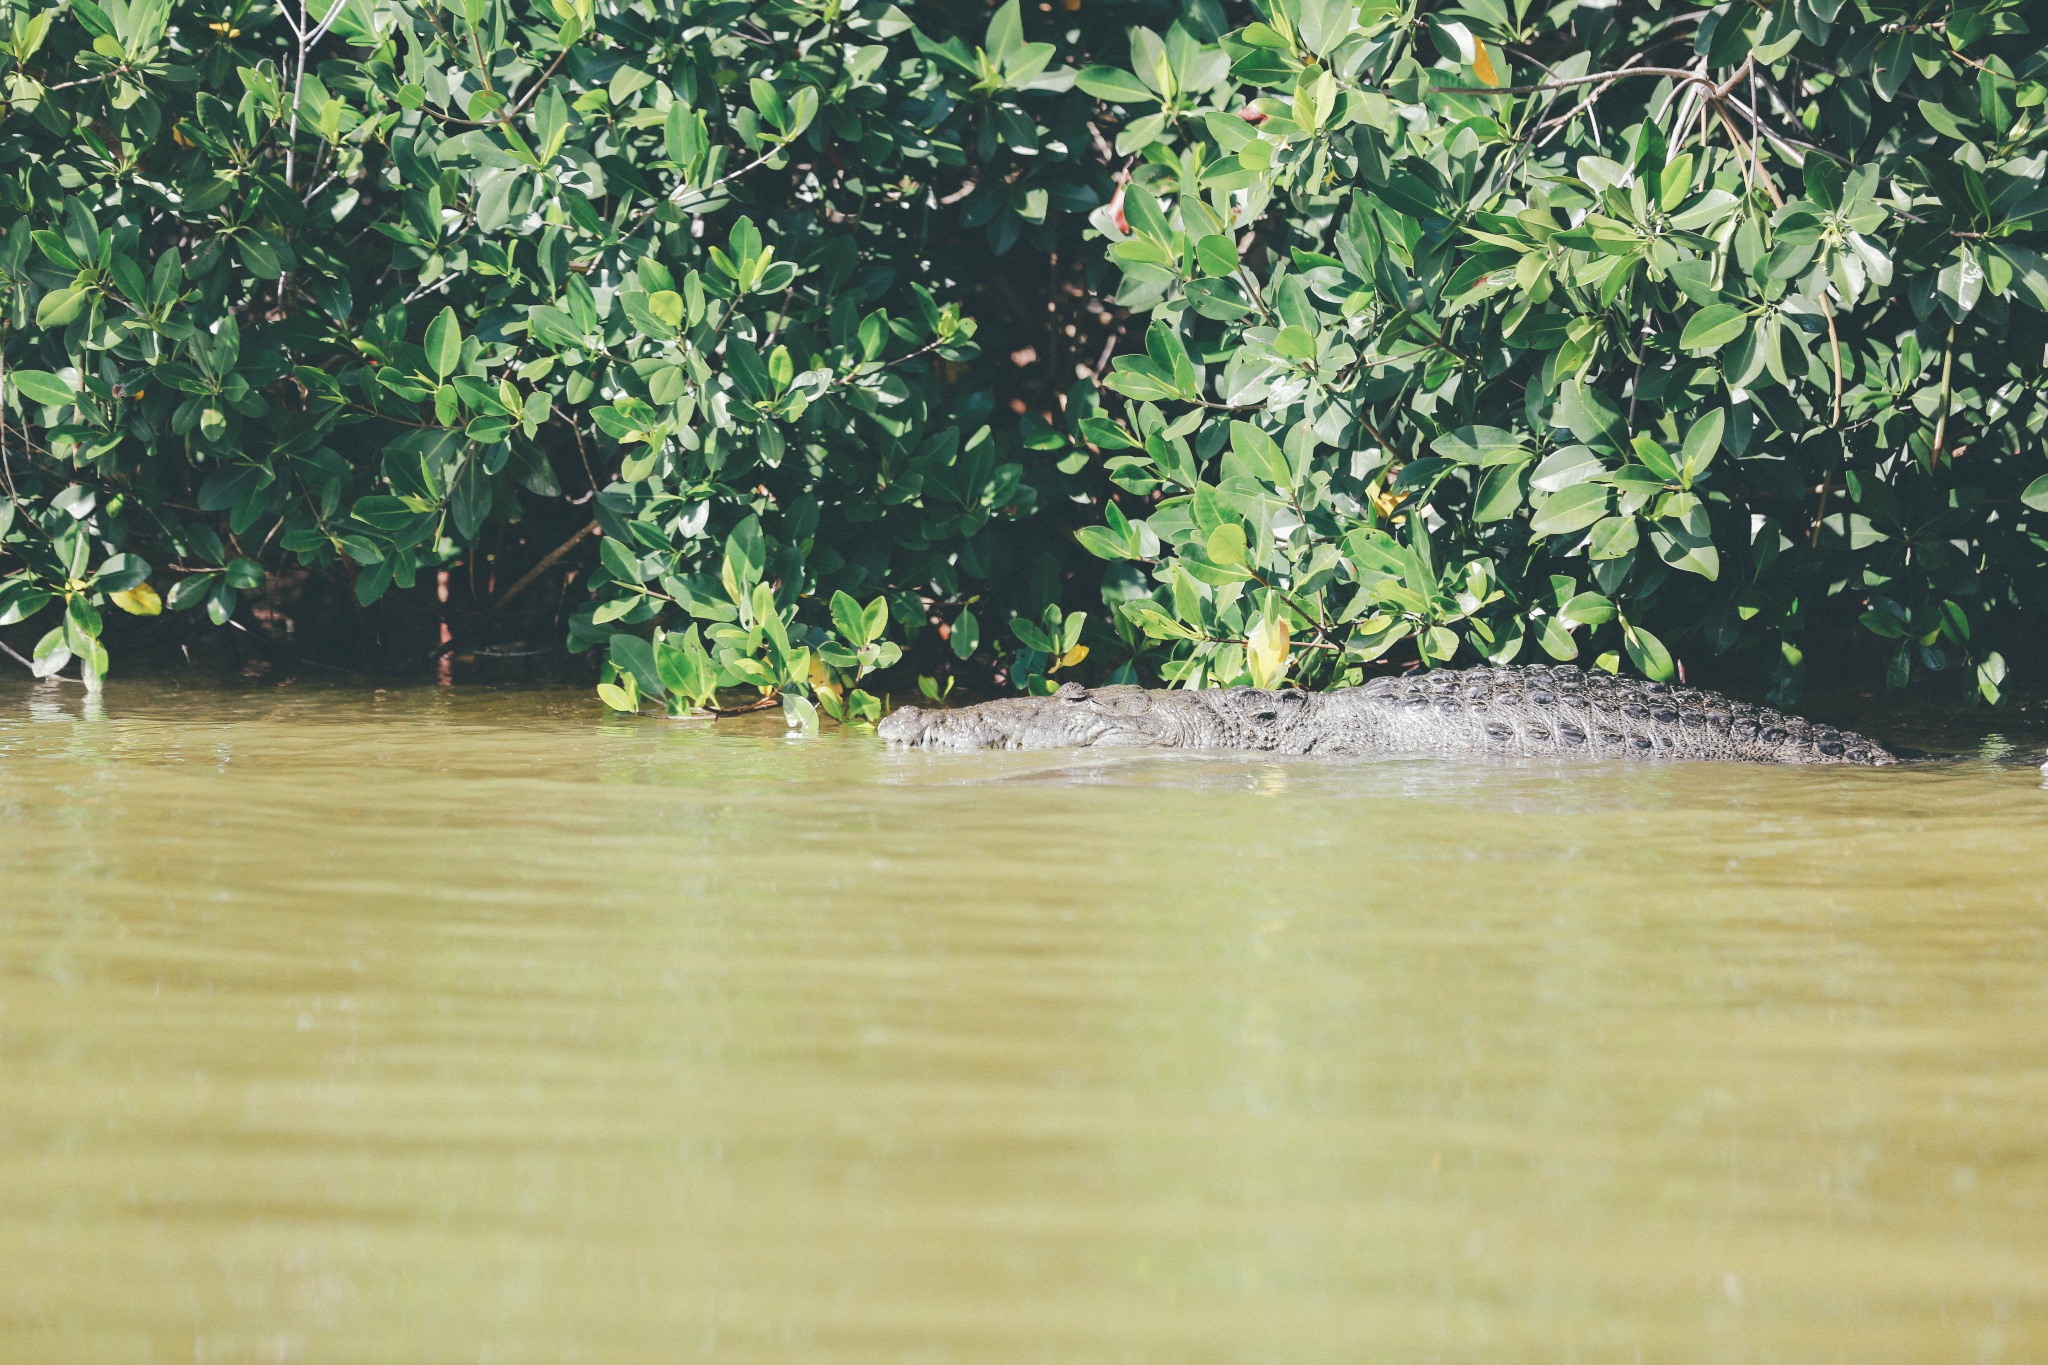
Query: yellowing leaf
x,y
1072,656
1266,652
618,698
140,600
1482,63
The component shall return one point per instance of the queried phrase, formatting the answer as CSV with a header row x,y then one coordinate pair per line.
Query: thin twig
x,y
73,85
50,677
548,561
1673,72
683,191
1948,360
1834,345
306,40
442,283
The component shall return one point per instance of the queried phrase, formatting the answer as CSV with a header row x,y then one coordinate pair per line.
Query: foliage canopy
x,y
1481,331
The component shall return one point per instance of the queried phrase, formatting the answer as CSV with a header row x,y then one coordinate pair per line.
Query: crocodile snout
x,y
904,725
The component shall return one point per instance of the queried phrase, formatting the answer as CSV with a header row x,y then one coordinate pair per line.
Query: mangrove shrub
x,y
1619,332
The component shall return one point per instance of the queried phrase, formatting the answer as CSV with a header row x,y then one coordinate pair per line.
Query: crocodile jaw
x,y
1072,718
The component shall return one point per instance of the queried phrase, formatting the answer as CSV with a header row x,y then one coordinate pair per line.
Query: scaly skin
x,y
1533,712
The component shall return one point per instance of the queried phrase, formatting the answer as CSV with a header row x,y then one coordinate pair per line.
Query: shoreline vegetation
x,y
736,356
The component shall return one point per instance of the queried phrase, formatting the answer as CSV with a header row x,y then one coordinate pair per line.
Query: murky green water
x,y
471,1026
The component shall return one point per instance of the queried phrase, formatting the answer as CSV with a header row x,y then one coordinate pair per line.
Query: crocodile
x,y
1531,711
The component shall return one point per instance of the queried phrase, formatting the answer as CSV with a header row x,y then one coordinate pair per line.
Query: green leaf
x,y
1481,446
1648,654
1702,443
1713,327
966,636
1033,637
443,344
1556,641
620,561
847,619
39,386
1101,431
1587,609
1217,255
1500,494
61,306
1118,87
2036,494
190,591
684,668
632,655
1261,454
1573,509
117,573
1103,543
1227,544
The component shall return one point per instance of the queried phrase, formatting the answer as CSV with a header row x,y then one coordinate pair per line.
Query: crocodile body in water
x,y
1516,712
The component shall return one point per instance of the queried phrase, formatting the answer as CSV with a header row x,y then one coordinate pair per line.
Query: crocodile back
x,y
1545,711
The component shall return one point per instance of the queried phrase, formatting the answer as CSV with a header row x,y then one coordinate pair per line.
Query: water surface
x,y
470,1025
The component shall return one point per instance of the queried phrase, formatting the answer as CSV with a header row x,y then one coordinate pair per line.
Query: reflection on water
x,y
453,1026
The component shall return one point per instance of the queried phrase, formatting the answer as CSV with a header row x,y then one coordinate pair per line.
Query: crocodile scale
x,y
1530,711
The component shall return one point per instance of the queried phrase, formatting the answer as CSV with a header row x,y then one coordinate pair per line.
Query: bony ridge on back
x,y
1524,711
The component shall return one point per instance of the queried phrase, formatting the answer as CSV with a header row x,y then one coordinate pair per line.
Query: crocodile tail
x,y
1790,739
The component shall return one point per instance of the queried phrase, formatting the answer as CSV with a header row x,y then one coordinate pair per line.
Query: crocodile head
x,y
1071,718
